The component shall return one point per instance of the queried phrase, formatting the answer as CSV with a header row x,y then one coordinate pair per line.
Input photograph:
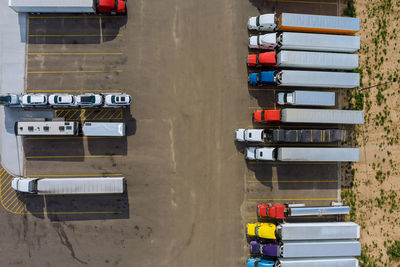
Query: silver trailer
x,y
304,23
103,129
318,42
306,42
319,154
306,98
294,115
316,248
68,186
44,127
317,79
53,6
316,60
317,262
296,211
318,231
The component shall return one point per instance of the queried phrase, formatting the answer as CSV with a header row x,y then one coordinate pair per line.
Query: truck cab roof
x,y
269,115
265,41
260,153
257,262
249,135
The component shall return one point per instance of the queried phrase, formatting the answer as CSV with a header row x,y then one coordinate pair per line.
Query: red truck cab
x,y
276,211
262,59
268,115
111,6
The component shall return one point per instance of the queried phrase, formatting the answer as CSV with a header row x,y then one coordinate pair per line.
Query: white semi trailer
x,y
69,186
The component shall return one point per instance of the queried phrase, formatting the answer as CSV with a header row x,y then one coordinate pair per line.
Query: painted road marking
x,y
72,35
289,199
90,114
307,181
70,54
83,156
76,175
10,199
71,71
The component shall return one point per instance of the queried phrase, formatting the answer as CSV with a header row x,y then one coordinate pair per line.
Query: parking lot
x,y
189,190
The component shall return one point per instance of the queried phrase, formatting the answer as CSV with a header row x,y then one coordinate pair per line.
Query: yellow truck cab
x,y
261,230
266,230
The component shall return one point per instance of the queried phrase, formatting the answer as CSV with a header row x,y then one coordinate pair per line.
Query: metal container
x,y
319,154
317,262
294,115
52,6
316,60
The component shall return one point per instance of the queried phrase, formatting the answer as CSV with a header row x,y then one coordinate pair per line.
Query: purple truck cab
x,y
254,247
271,250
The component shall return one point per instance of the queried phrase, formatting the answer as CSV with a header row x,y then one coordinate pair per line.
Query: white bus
x,y
46,128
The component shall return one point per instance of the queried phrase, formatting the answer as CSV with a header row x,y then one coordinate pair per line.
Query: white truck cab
x,y
265,41
260,153
265,22
249,135
24,185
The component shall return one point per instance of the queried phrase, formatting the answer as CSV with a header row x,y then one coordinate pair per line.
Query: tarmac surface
x,y
189,190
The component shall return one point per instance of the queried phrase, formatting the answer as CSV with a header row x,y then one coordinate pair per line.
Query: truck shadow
x,y
79,207
307,176
74,29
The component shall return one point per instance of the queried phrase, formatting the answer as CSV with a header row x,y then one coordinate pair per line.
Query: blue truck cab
x,y
261,77
257,262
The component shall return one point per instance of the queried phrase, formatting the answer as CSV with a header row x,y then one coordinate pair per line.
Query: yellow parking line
x,y
15,205
7,194
105,113
6,179
3,173
96,115
292,162
19,210
71,54
72,35
85,156
73,114
75,17
59,113
112,115
289,199
4,203
310,181
86,116
71,71
76,175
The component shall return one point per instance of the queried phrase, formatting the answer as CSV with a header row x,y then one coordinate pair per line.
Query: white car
x,y
89,100
9,100
117,100
265,22
62,100
34,100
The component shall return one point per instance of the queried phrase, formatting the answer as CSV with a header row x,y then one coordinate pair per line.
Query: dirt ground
x,y
376,181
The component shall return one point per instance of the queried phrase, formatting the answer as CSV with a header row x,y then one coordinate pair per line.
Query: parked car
x,y
117,100
34,100
62,100
9,100
89,100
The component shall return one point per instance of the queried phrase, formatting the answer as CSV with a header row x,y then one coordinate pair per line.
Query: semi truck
x,y
291,136
291,22
306,154
283,211
41,126
295,115
306,98
310,248
303,262
68,6
69,186
304,231
304,60
306,41
325,79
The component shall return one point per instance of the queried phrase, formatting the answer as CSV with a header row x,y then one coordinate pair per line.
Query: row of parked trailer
x,y
305,51
88,100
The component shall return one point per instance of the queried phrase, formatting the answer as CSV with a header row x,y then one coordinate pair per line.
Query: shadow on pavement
x,y
79,207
